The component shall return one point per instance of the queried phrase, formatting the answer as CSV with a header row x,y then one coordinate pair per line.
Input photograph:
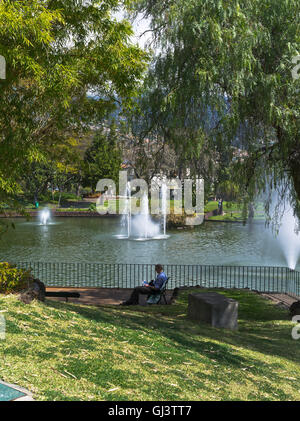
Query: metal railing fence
x,y
126,275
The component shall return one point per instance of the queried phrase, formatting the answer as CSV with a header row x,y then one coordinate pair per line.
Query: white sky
x,y
139,26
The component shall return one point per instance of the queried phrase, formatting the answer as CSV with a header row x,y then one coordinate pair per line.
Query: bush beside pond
x,y
13,279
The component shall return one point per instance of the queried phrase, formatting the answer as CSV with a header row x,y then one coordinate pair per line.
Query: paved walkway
x,y
284,299
100,296
114,296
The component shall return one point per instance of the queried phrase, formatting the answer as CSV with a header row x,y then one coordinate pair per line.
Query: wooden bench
x,y
63,294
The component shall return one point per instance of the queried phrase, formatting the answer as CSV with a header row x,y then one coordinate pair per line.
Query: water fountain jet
x,y
164,206
45,216
289,237
141,227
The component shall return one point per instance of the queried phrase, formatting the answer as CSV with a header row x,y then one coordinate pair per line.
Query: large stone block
x,y
295,309
213,308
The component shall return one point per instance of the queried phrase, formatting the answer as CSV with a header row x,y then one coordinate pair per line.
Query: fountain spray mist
x,y
45,216
126,218
287,234
141,227
289,237
164,206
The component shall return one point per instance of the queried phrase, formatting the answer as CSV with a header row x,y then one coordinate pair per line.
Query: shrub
x,y
13,279
64,196
45,197
92,207
67,196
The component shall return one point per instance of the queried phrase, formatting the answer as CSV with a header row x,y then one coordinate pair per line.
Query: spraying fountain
x,y
126,218
164,206
141,227
289,237
45,216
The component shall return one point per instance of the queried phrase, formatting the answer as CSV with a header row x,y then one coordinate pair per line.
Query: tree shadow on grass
x,y
258,335
181,334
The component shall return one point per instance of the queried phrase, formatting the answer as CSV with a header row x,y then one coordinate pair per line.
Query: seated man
x,y
151,288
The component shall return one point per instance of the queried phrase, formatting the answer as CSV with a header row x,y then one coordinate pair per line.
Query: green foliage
x,y
66,196
57,52
103,158
12,279
36,180
228,189
225,67
92,207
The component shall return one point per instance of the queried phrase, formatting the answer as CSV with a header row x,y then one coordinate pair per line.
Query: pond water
x,y
86,239
8,393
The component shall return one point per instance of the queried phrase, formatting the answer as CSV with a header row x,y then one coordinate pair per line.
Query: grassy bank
x,y
233,212
63,351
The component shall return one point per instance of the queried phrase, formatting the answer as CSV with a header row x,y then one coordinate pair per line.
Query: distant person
x,y
148,289
220,207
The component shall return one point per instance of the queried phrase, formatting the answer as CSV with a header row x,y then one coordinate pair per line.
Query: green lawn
x,y
233,212
63,351
235,217
210,206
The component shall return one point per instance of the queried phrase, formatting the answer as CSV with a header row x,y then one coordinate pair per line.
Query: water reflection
x,y
93,240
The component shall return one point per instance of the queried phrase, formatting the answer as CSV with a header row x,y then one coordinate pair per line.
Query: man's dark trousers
x,y
134,298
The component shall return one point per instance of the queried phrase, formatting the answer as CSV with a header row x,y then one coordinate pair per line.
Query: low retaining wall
x,y
57,214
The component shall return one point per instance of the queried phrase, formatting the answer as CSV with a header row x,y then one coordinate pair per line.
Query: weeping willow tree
x,y
234,60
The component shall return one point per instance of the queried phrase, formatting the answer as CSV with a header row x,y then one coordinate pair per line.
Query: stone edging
x,y
27,397
59,214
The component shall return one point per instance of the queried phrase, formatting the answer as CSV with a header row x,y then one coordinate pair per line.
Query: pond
x,y
87,239
9,393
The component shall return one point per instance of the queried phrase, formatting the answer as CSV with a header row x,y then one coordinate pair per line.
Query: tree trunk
x,y
78,190
250,211
59,199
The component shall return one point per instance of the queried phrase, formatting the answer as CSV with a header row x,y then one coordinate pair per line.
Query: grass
x,y
210,206
87,210
236,217
64,351
233,212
